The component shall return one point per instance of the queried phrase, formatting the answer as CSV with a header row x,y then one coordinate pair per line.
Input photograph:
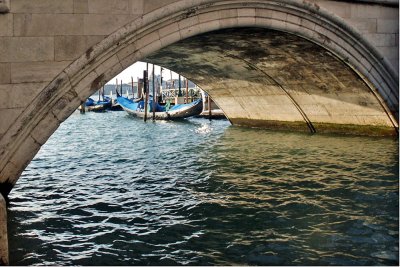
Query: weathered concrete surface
x,y
55,53
4,260
272,79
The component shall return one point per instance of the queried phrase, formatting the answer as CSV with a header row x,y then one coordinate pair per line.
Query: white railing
x,y
174,92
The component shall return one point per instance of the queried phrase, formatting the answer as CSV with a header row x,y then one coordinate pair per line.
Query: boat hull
x,y
185,111
96,106
215,114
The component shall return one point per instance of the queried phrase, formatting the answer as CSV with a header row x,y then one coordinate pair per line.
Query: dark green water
x,y
107,189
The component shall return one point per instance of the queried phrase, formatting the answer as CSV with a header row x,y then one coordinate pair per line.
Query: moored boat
x,y
210,108
96,106
101,105
136,108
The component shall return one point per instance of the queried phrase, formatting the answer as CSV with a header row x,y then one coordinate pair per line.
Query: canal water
x,y
108,189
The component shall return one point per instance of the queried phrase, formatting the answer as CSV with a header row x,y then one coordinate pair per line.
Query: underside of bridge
x,y
273,79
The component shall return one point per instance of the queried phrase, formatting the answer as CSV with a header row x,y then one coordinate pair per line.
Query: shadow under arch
x,y
170,24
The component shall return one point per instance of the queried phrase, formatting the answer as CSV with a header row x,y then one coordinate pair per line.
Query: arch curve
x,y
168,25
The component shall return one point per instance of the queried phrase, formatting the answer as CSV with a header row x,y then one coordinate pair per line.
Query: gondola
x,y
97,106
136,108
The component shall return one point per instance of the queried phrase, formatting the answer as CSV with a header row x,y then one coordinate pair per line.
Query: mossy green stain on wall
x,y
330,128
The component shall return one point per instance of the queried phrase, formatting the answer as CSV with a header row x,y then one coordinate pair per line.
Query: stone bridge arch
x,y
178,21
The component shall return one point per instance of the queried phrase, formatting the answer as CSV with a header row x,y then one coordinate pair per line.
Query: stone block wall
x,y
376,22
4,254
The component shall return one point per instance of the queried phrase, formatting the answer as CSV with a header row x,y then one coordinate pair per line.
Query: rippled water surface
x,y
107,189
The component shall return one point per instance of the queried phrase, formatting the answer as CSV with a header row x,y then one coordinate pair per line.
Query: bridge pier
x,y
3,232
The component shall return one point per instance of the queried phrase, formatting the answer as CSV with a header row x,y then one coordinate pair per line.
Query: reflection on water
x,y
107,189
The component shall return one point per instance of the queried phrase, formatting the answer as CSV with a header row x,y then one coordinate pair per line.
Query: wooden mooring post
x,y
133,92
154,96
187,91
209,106
161,86
146,93
82,109
180,86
